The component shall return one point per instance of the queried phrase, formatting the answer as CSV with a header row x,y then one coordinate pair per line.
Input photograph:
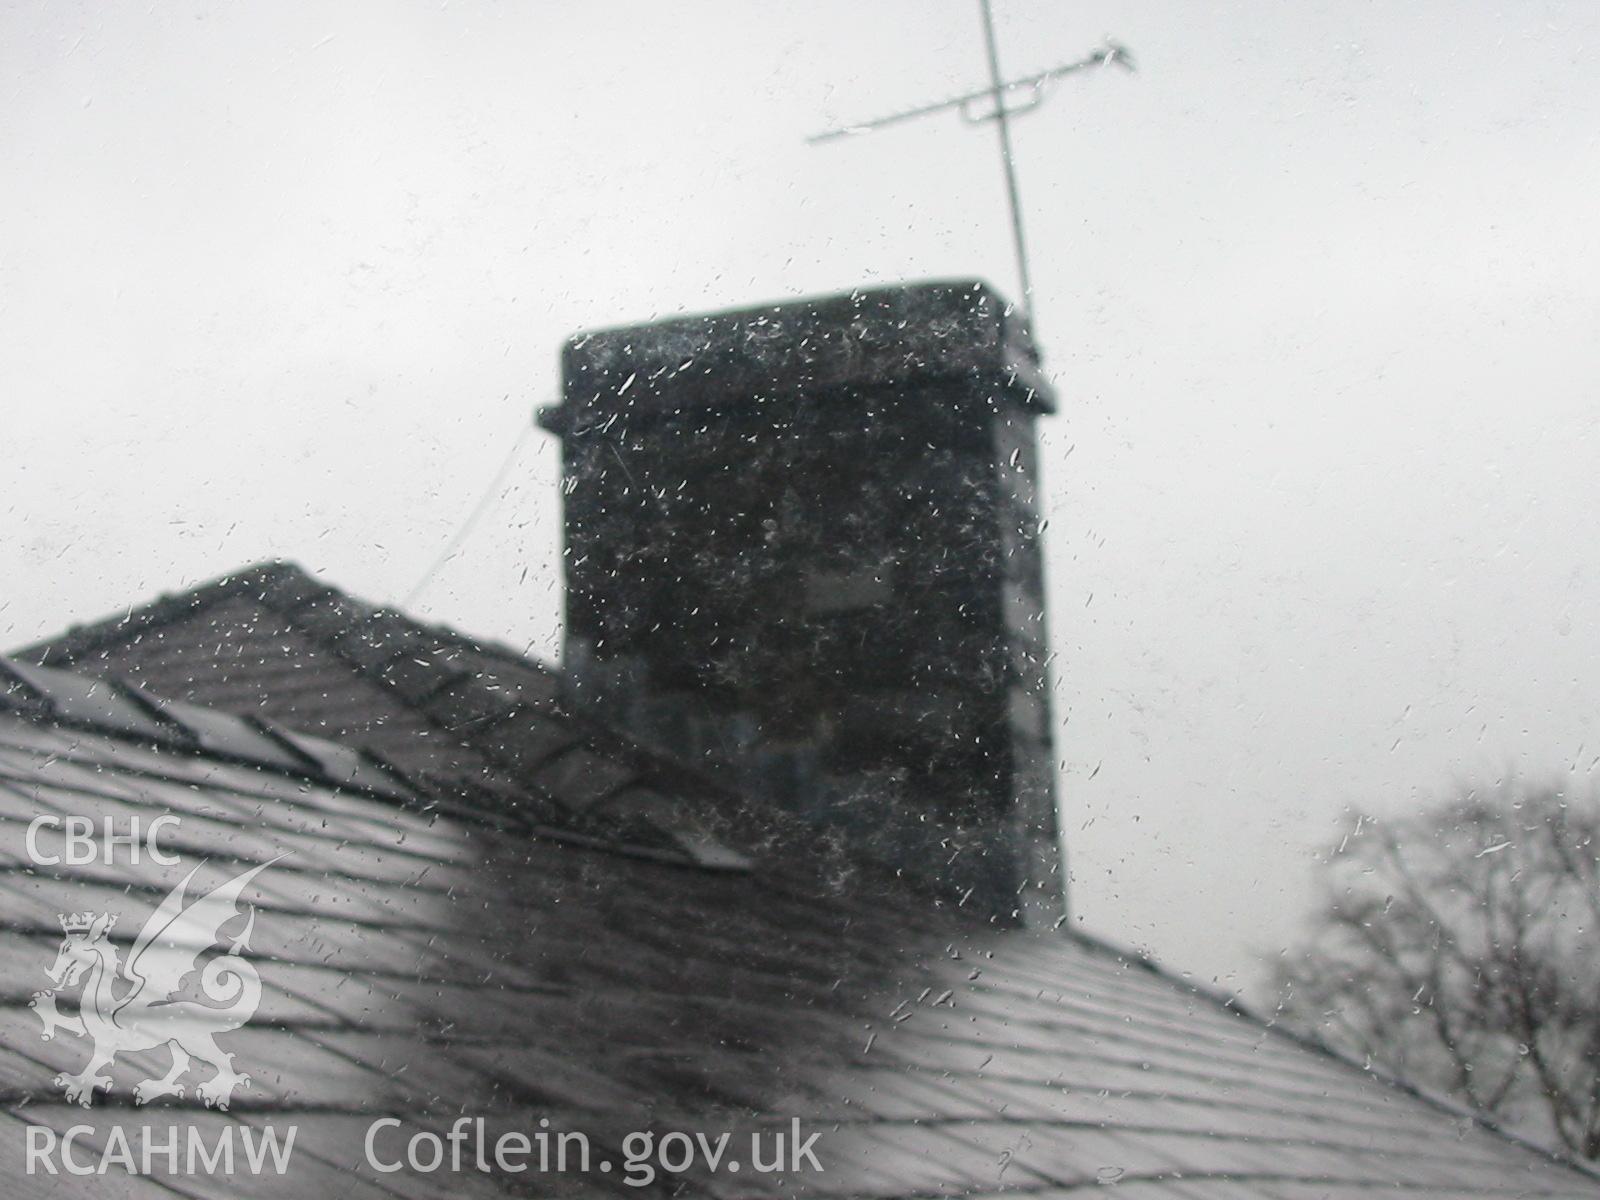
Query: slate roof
x,y
423,961
485,725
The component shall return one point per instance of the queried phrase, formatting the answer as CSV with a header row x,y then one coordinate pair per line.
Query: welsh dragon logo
x,y
134,1006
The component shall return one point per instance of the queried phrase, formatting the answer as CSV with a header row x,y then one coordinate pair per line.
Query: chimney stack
x,y
802,546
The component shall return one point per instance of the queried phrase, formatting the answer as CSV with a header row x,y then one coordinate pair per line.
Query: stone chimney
x,y
802,546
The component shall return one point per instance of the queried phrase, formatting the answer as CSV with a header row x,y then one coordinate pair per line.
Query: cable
x,y
485,501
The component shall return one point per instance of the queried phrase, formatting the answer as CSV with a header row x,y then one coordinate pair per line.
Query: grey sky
x,y
1319,287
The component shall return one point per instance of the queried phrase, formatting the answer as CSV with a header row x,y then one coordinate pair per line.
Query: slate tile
x,y
531,742
580,778
416,679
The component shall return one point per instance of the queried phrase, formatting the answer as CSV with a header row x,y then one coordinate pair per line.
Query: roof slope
x,y
420,968
482,722
420,962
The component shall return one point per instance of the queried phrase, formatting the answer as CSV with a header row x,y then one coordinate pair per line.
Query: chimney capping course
x,y
863,339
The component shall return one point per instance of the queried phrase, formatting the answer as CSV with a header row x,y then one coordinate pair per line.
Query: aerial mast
x,y
1003,104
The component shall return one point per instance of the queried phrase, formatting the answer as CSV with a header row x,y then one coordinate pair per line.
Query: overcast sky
x,y
1319,287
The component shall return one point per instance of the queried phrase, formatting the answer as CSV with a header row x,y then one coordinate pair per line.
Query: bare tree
x,y
1461,950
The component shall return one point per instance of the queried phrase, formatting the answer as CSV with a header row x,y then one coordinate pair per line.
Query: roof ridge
x,y
370,638
256,579
374,640
601,780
